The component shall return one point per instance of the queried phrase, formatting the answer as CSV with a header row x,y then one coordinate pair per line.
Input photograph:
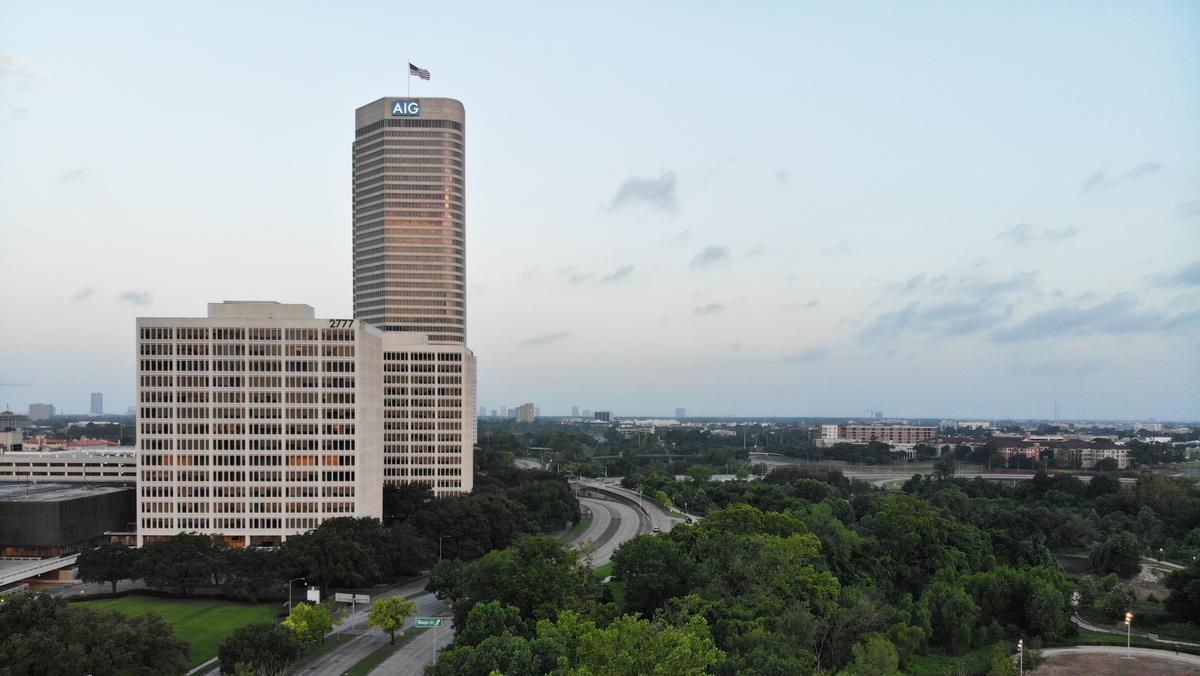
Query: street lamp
x,y
1021,653
443,537
1128,633
290,593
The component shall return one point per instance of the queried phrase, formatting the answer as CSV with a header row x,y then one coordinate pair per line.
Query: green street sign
x,y
427,622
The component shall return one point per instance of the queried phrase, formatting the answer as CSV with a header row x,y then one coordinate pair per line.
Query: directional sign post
x,y
428,622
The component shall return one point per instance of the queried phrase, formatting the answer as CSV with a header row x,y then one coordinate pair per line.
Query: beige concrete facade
x,y
257,422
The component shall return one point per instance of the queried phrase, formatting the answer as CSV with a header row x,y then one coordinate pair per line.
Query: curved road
x,y
1186,658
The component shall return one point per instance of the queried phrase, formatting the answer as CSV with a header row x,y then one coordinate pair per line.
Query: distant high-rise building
x,y
879,415
495,414
526,413
482,412
503,411
603,416
574,411
97,403
41,411
681,413
586,413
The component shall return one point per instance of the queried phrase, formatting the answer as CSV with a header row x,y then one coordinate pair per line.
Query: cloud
x,y
20,112
1188,209
573,276
976,287
541,341
840,249
1189,276
19,69
136,297
532,273
801,305
84,293
620,274
72,175
934,319
709,256
1022,234
809,356
1115,316
1056,369
783,176
1100,181
656,193
679,239
709,309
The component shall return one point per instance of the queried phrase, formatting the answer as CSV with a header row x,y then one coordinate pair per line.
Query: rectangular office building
x,y
257,422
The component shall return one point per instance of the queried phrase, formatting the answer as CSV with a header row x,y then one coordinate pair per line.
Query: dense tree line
x,y
347,551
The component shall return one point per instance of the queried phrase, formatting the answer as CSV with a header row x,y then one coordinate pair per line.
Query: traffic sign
x,y
427,622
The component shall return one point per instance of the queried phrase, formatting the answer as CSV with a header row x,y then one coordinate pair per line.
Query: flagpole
x,y
409,95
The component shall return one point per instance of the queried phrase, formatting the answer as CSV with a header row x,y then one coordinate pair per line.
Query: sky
x,y
930,209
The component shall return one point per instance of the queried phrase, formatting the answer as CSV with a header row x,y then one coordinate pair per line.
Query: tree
x,y
654,569
951,614
1118,554
390,614
264,648
945,467
109,562
873,656
1119,600
309,622
633,646
183,562
42,634
1184,599
1107,465
344,552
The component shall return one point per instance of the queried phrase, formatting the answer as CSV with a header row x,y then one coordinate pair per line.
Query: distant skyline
x,y
935,210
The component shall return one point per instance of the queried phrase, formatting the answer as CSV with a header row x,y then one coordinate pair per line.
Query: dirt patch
x,y
1150,581
1112,665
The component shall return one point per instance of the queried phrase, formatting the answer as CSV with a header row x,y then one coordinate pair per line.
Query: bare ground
x,y
1112,665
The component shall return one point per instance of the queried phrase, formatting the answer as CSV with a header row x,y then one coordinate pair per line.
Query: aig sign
x,y
406,108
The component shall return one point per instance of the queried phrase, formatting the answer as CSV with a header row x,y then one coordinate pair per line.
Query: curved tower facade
x,y
410,218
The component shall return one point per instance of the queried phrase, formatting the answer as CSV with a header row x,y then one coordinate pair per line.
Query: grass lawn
x,y
203,623
574,533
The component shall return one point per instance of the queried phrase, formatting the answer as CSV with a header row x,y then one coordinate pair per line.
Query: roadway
x,y
1185,658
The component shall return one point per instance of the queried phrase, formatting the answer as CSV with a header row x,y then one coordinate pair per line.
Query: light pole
x,y
443,537
1128,633
290,593
1021,655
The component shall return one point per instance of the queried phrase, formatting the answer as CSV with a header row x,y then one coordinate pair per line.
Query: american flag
x,y
419,72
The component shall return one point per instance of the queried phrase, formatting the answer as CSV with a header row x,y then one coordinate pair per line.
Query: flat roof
x,y
52,492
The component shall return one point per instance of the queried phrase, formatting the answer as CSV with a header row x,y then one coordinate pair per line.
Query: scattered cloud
x,y
72,175
935,319
1057,369
801,305
573,276
709,256
679,239
19,69
1115,316
840,249
974,286
547,339
136,297
1022,234
1189,276
783,176
1100,180
709,309
1188,209
656,193
809,356
84,293
532,273
620,274
20,112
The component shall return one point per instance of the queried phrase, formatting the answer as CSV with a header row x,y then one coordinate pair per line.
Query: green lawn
x,y
203,623
573,534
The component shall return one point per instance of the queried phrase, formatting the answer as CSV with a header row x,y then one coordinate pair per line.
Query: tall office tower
x,y
410,282
526,413
574,411
681,413
41,411
257,422
97,403
482,412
